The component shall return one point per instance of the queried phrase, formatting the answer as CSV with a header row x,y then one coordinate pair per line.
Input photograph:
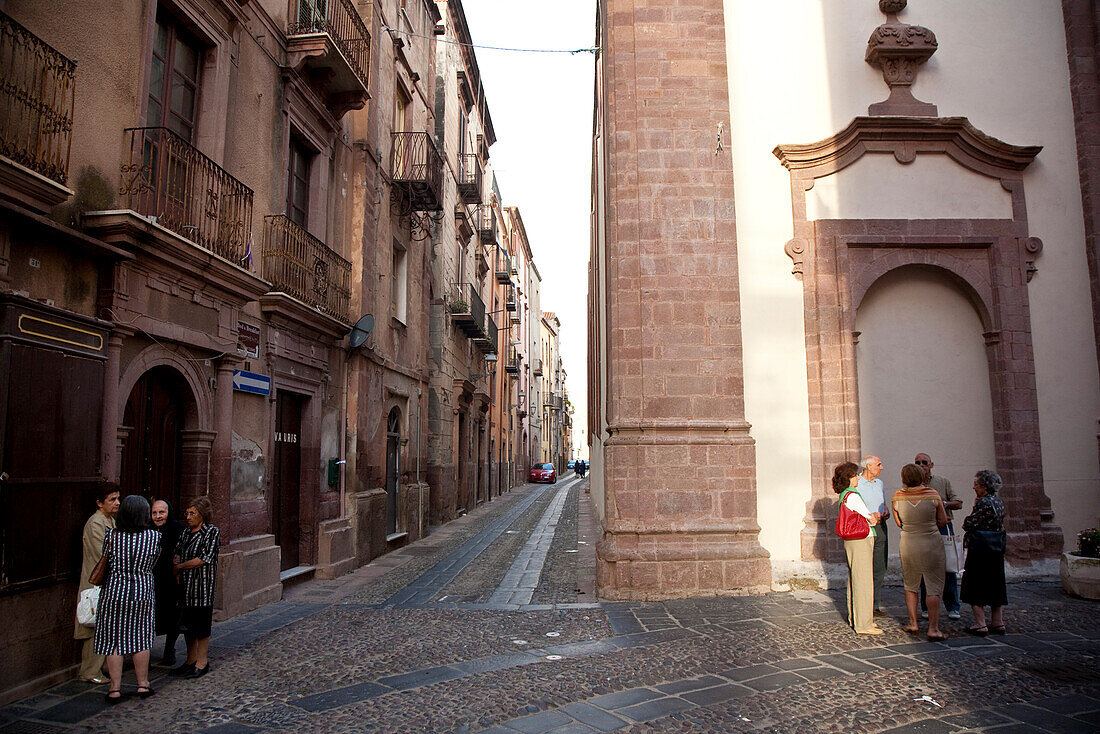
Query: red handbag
x,y
850,525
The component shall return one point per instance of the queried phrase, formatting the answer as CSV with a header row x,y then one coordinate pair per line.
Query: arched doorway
x,y
923,378
155,417
393,442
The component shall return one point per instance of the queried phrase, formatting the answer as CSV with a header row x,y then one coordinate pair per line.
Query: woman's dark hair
x,y
133,514
103,490
204,508
842,476
912,475
989,479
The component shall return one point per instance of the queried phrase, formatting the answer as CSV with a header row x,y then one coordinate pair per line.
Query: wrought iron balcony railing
x,y
341,22
487,343
166,177
512,365
469,178
299,264
487,224
467,309
503,267
37,93
510,298
417,168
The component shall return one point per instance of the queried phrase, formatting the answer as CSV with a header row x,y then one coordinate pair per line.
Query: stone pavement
x,y
490,624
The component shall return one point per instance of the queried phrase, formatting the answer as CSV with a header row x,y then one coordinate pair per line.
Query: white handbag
x,y
952,553
87,605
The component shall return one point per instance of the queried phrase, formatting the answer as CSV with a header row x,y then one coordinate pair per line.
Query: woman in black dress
x,y
124,624
164,577
983,581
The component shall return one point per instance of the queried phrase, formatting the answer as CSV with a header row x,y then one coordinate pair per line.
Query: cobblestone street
x,y
491,624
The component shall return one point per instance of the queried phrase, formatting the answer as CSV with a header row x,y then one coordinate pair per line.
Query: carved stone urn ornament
x,y
898,49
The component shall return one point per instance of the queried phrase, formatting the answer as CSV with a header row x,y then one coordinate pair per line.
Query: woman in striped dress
x,y
196,563
125,617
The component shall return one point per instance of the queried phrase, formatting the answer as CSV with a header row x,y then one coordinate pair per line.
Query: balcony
x,y
417,170
487,224
300,265
168,180
467,310
510,299
536,367
37,93
503,265
328,43
470,174
512,365
487,343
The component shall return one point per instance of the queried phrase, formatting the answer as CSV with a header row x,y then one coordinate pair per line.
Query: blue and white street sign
x,y
251,382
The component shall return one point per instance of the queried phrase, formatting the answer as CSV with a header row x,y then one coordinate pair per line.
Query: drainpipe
x,y
343,461
419,484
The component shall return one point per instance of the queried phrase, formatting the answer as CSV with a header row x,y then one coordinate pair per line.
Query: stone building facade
x,y
229,238
882,244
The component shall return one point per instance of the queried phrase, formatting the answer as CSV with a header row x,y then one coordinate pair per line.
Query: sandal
x,y
112,700
977,631
145,691
997,629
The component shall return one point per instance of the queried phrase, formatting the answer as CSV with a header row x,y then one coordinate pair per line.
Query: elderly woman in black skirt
x,y
983,583
196,562
124,624
164,577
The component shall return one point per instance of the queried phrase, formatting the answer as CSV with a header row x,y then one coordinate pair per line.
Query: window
x,y
297,183
398,283
173,79
401,102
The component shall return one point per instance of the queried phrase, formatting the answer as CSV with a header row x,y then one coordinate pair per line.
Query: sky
x,y
541,105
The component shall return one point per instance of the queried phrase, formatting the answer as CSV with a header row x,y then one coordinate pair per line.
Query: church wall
x,y
1001,64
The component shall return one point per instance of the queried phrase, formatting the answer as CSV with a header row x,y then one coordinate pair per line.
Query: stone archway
x,y
839,259
164,438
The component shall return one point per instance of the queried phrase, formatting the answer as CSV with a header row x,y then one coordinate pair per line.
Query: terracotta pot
x,y
1081,575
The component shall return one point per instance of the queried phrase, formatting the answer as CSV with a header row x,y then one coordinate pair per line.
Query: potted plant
x,y
458,306
1081,570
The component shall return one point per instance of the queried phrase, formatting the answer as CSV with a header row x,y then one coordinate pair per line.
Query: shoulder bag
x,y
850,525
99,571
87,605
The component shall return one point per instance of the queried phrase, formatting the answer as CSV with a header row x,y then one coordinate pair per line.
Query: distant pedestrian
x,y
983,583
861,590
873,492
124,624
164,576
95,529
918,511
196,562
951,501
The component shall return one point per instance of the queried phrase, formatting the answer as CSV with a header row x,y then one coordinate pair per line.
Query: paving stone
x,y
572,729
846,663
591,716
1045,720
928,726
976,719
651,710
748,672
718,694
775,682
797,664
74,710
691,684
621,699
896,661
420,677
820,673
341,696
541,722
230,728
871,653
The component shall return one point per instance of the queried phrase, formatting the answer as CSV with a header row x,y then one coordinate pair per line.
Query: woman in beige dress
x,y
919,512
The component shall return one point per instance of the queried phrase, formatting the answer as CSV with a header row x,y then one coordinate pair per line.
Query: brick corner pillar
x,y
221,450
680,464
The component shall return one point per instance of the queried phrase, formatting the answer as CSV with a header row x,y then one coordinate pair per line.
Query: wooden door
x,y
153,450
287,481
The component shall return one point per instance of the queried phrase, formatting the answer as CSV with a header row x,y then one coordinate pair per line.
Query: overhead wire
x,y
574,51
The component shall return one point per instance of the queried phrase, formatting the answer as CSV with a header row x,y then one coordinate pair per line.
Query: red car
x,y
543,473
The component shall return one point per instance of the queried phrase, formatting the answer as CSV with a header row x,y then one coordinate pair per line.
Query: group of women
x,y
919,512
160,579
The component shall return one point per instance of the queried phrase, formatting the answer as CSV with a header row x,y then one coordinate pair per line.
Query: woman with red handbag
x,y
859,547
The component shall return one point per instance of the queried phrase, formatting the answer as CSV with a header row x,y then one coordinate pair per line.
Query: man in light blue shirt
x,y
873,492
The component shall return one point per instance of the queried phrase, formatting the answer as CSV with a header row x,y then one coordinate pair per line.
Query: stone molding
x,y
991,260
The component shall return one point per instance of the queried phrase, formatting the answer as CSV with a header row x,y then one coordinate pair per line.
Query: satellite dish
x,y
362,329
